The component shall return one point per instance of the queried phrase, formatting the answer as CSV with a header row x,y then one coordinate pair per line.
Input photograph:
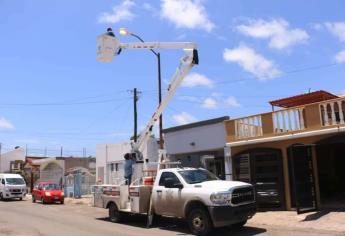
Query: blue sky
x,y
54,92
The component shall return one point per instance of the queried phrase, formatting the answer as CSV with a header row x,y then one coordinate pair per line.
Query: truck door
x,y
167,201
302,173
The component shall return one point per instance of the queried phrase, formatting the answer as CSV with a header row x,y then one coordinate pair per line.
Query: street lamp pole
x,y
124,31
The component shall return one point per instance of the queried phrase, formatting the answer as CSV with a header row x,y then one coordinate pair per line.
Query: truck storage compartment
x,y
140,198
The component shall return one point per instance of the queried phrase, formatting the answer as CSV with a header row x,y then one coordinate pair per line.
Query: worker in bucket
x,y
128,168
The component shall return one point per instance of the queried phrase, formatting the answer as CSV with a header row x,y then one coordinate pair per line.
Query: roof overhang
x,y
303,99
286,137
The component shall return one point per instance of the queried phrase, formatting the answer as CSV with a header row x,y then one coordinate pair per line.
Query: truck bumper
x,y
8,195
229,215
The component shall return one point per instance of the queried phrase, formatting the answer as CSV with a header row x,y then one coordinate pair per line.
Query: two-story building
x,y
294,156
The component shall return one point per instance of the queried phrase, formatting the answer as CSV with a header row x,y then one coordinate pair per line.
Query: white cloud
x,y
186,14
337,29
232,102
252,62
5,124
195,79
209,103
278,32
340,57
121,12
183,118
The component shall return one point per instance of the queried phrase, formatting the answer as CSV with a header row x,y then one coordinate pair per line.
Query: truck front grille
x,y
15,190
242,196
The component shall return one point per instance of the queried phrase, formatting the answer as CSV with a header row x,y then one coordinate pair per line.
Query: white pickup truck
x,y
195,195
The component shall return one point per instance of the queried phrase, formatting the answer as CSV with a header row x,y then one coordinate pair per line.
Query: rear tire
x,y
239,225
199,221
115,215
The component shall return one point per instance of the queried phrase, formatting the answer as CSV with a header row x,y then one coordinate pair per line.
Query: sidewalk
x,y
322,220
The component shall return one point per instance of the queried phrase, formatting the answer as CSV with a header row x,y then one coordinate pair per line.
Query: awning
x,y
303,99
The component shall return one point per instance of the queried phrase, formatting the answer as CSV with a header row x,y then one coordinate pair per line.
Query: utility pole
x,y
135,113
161,140
0,156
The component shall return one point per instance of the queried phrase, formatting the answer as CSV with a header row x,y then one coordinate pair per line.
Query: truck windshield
x,y
15,181
197,176
51,187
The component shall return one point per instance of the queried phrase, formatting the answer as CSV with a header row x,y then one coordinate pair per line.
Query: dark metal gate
x,y
264,169
302,178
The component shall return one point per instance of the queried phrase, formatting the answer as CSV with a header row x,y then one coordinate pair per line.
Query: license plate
x,y
56,198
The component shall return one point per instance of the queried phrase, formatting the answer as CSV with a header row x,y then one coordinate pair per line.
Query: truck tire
x,y
114,214
199,221
239,224
1,197
33,199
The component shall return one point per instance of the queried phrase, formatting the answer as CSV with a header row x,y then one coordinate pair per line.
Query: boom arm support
x,y
187,62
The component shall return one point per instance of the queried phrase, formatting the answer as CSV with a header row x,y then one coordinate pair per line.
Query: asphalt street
x,y
29,219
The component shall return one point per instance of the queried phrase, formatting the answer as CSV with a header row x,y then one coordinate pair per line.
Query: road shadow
x,y
180,227
317,215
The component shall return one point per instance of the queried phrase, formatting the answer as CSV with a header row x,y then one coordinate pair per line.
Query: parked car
x,y
12,186
48,192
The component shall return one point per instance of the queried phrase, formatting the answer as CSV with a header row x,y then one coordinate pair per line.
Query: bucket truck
x,y
195,195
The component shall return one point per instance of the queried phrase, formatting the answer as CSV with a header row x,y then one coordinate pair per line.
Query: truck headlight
x,y
220,198
48,194
62,194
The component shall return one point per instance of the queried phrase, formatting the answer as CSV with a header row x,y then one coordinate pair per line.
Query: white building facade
x,y
200,144
110,157
17,154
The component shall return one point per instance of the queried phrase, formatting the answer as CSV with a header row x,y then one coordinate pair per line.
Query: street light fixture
x,y
125,32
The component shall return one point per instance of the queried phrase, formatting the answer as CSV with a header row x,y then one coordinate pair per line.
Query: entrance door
x,y
302,177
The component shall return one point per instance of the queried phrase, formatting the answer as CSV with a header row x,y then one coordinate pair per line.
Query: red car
x,y
48,192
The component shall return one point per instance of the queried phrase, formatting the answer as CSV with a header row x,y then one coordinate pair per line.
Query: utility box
x,y
140,198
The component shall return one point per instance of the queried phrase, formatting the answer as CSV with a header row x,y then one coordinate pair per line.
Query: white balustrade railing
x,y
288,120
333,112
248,127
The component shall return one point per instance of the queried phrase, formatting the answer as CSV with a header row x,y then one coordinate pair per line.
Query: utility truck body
x,y
195,195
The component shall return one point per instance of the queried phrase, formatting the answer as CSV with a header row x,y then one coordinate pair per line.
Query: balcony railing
x,y
310,117
248,127
333,112
288,120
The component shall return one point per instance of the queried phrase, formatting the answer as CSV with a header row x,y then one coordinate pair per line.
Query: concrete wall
x,y
196,139
109,153
110,156
6,158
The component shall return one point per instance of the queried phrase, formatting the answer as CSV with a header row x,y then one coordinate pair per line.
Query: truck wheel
x,y
20,199
239,224
114,214
1,197
42,200
199,222
33,199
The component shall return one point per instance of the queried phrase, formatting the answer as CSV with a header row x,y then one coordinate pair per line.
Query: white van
x,y
12,186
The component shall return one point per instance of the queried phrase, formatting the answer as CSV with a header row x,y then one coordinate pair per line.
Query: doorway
x,y
331,163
